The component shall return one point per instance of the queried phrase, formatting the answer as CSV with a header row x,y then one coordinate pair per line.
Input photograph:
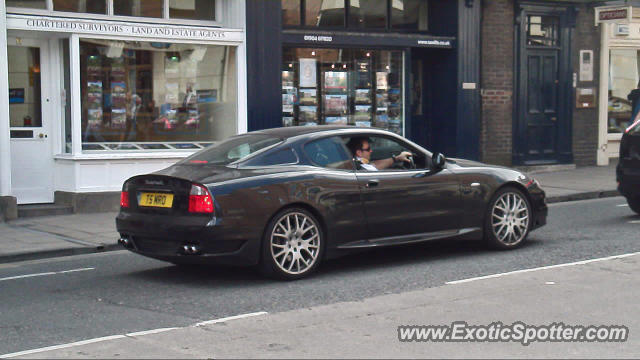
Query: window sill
x,y
125,156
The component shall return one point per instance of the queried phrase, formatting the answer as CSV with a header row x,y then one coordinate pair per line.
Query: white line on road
x,y
209,322
542,268
44,274
133,334
622,205
634,222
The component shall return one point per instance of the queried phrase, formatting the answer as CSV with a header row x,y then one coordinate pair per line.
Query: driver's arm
x,y
385,163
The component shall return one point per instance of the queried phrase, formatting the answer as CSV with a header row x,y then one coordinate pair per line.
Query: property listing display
x,y
156,96
342,87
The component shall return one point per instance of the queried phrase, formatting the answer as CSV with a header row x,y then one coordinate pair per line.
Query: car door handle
x,y
372,183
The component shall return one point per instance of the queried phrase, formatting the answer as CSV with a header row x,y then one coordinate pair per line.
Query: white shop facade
x,y
96,91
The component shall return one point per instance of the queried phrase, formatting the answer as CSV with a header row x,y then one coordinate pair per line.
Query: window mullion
x,y
165,10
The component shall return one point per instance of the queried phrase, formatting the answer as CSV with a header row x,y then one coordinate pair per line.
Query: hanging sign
x,y
616,15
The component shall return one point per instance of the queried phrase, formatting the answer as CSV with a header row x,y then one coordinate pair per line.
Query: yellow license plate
x,y
156,200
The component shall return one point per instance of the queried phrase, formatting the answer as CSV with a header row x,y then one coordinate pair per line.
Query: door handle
x,y
41,135
372,183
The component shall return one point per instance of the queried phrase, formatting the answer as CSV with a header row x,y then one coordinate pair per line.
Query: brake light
x,y
124,199
200,200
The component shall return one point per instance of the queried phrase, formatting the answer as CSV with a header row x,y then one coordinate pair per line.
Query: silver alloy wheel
x,y
510,218
295,243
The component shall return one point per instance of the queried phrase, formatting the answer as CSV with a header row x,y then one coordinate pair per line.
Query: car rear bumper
x,y
186,239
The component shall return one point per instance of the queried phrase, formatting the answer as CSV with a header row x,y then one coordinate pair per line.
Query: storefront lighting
x,y
290,65
368,54
344,66
313,53
333,66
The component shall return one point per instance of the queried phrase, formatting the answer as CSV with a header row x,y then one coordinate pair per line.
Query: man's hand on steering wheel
x,y
406,158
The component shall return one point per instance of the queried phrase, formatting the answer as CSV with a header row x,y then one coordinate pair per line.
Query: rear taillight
x,y
200,200
124,199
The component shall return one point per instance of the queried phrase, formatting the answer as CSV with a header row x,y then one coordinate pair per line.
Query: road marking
x,y
231,318
44,274
541,268
634,222
133,334
622,205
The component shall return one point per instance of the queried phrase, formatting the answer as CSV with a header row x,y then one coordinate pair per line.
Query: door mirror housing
x,y
438,160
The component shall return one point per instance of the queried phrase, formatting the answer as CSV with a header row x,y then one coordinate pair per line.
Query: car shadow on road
x,y
371,259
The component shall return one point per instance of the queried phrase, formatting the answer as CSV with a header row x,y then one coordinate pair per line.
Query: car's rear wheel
x,y
293,245
508,219
634,204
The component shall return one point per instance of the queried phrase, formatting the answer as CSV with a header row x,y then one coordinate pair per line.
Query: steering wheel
x,y
409,164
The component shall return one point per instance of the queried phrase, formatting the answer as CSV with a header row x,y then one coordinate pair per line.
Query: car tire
x,y
508,219
634,204
293,245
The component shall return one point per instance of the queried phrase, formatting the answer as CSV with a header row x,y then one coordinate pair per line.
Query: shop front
x,y
99,91
619,75
410,67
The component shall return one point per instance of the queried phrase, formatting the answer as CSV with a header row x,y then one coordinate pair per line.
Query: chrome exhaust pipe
x,y
190,249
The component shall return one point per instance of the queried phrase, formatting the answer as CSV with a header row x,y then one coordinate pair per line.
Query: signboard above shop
x,y
116,28
608,14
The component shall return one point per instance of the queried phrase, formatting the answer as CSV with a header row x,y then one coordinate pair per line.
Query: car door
x,y
401,202
335,190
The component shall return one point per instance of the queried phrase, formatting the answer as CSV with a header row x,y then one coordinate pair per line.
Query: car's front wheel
x,y
634,204
508,219
293,245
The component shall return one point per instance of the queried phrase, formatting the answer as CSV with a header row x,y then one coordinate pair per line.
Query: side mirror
x,y
438,161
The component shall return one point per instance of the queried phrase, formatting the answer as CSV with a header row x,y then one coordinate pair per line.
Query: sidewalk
x,y
602,292
44,237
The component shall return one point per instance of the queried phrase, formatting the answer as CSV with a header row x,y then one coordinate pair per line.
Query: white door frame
x,y
44,134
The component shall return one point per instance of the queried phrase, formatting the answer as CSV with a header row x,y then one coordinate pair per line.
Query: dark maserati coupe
x,y
285,199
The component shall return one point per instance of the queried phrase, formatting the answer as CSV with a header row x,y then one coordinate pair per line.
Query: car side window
x,y
385,147
330,153
279,157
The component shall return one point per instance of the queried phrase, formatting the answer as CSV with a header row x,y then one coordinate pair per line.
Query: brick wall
x,y
497,81
586,36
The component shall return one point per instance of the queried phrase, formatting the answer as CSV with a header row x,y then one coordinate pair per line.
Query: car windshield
x,y
232,149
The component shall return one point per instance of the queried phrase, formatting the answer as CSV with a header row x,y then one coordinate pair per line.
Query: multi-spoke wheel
x,y
508,219
293,244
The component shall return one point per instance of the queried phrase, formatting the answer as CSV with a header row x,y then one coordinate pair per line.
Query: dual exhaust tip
x,y
187,249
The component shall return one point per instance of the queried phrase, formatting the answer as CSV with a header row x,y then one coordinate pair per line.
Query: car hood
x,y
470,163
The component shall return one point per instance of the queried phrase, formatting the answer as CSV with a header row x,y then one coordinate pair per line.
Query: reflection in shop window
x,y
81,6
623,79
32,4
342,87
542,30
290,12
324,13
192,9
367,14
142,8
156,96
410,14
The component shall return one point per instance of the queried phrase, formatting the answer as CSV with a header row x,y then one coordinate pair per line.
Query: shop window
x,y
343,87
291,12
192,9
324,13
31,4
410,14
623,79
369,14
141,8
542,30
156,96
81,6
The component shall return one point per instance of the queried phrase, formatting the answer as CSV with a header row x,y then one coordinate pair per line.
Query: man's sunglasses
x,y
367,149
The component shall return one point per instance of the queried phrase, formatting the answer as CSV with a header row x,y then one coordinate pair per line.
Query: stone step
x,y
34,210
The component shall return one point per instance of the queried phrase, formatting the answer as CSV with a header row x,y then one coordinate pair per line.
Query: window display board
x,y
342,87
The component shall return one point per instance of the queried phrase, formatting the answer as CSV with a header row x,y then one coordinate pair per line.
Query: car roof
x,y
293,131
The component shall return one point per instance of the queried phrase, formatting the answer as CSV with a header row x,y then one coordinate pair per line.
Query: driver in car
x,y
361,150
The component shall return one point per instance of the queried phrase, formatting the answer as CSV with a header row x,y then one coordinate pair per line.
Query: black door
x,y
401,201
541,113
542,121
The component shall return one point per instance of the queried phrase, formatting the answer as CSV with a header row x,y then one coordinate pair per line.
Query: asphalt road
x,y
43,304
